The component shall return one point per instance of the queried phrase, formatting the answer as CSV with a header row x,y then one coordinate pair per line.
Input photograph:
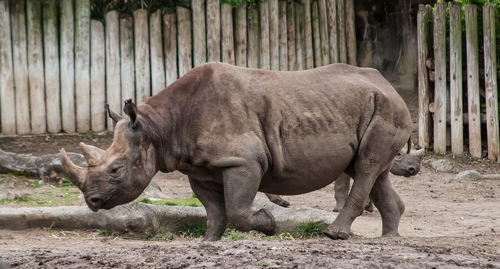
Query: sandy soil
x,y
447,224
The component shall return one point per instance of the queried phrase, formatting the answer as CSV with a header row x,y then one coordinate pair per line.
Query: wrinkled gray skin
x,y
404,164
236,131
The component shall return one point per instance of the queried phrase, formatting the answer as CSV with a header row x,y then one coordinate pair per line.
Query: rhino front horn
x,y
75,173
92,154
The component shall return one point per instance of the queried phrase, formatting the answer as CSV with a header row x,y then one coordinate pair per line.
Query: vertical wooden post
x,y
156,50
184,39
342,49
141,40
456,115
253,37
82,64
308,46
473,105
213,31
199,32
226,23
127,66
7,93
323,31
170,47
51,66
299,36
332,30
318,59
283,49
35,67
274,34
290,19
490,80
423,77
20,62
97,76
113,97
240,32
350,33
264,35
440,91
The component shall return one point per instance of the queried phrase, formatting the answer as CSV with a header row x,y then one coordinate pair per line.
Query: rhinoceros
x,y
235,131
404,164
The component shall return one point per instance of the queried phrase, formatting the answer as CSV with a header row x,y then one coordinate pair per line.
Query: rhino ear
x,y
131,110
114,116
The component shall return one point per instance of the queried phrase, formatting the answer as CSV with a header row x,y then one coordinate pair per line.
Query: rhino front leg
x,y
389,204
240,187
210,195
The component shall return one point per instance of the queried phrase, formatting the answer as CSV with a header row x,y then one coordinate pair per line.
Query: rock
x,y
442,165
468,175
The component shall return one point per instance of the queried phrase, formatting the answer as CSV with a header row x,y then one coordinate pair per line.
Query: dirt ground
x,y
447,224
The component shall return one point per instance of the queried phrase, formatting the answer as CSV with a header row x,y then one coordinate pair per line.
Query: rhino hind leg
x,y
277,200
342,186
240,187
389,205
213,201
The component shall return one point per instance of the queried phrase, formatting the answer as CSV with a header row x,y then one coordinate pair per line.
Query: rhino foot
x,y
272,229
281,202
335,232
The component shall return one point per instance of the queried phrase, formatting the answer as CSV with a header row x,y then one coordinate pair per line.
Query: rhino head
x,y
407,164
120,173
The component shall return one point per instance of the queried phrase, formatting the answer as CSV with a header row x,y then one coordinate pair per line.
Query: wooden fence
x,y
446,108
58,67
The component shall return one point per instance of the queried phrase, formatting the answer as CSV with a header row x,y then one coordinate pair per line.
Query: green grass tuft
x,y
104,232
193,202
232,234
309,229
194,229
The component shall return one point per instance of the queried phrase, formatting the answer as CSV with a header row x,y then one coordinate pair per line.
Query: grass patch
x,y
195,229
309,229
19,174
193,202
104,232
162,236
232,234
66,183
2,201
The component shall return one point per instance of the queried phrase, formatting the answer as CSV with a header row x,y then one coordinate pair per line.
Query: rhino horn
x,y
92,154
420,153
75,173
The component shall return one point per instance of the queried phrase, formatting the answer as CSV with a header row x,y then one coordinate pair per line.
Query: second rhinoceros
x,y
235,131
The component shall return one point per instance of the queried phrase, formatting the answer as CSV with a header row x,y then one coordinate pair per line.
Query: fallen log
x,y
140,218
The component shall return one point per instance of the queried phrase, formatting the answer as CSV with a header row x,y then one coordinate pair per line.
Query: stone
x,y
442,165
468,175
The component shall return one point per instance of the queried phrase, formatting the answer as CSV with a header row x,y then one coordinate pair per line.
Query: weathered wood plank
x,y
82,64
308,45
440,78
291,46
199,32
332,30
35,67
113,96
156,50
490,80
240,32
264,35
253,37
170,47
283,49
127,66
7,90
471,37
226,22
323,31
350,33
51,66
299,36
20,63
274,34
457,123
97,76
141,45
213,31
184,39
423,77
341,28
318,59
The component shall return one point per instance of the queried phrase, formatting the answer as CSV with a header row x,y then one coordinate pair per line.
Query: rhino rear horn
x,y
114,116
420,153
92,154
75,173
